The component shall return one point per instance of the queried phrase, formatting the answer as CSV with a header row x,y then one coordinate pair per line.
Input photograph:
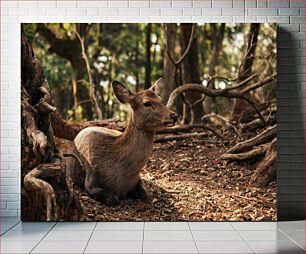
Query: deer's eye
x,y
148,104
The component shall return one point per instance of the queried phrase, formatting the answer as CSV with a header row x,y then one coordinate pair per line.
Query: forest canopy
x,y
136,54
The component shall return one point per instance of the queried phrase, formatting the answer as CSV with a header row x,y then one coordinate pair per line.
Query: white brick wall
x,y
289,13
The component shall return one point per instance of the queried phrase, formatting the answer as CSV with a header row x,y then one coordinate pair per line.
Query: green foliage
x,y
118,51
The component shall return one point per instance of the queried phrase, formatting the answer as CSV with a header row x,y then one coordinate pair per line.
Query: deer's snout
x,y
173,116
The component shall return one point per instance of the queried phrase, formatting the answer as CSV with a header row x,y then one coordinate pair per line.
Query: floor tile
x,y
69,236
119,226
17,247
253,225
106,236
296,235
111,247
5,226
167,236
33,226
169,247
60,247
223,247
23,236
166,226
211,226
69,226
273,235
216,236
291,225
276,247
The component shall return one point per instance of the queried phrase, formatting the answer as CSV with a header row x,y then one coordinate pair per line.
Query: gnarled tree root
x,y
35,181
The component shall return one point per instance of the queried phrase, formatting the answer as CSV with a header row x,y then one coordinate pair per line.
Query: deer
x,y
113,160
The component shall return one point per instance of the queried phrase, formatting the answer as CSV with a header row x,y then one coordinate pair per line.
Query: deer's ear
x,y
157,86
123,94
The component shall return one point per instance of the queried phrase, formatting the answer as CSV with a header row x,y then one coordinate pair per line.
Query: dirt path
x,y
186,181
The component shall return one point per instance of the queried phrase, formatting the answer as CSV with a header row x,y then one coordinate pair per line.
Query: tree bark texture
x,y
71,50
191,72
46,193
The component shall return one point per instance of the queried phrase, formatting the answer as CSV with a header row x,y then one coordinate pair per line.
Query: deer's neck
x,y
136,146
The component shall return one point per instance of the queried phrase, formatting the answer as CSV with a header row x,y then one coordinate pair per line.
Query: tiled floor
x,y
152,237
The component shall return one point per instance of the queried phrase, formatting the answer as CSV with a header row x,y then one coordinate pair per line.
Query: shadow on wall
x,y
290,133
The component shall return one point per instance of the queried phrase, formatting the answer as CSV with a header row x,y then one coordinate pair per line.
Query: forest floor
x,y
185,181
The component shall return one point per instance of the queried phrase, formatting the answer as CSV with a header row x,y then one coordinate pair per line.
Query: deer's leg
x,y
139,192
104,196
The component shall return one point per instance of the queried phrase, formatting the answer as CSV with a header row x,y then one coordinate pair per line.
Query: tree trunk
x,y
190,73
246,66
218,36
168,78
46,193
245,69
147,83
70,49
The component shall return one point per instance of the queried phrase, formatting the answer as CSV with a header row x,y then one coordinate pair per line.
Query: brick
x,y
192,11
291,198
222,19
47,4
92,12
291,182
38,12
179,3
297,3
18,12
150,12
290,150
222,4
28,4
291,174
238,3
13,205
108,11
260,19
2,205
262,3
288,11
139,4
238,19
278,3
250,3
92,4
202,19
118,4
66,4
233,11
128,11
9,173
9,197
57,12
211,12
160,4
9,213
262,12
288,28
9,181
172,11
76,12
297,20
9,4
202,3
280,20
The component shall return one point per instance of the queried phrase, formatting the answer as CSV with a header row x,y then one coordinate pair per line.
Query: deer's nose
x,y
173,117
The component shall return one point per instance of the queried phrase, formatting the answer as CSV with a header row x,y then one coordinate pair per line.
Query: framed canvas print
x,y
148,122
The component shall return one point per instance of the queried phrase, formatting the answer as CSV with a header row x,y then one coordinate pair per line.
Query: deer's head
x,y
149,111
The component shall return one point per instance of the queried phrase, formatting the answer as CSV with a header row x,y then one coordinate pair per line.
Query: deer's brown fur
x,y
113,160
